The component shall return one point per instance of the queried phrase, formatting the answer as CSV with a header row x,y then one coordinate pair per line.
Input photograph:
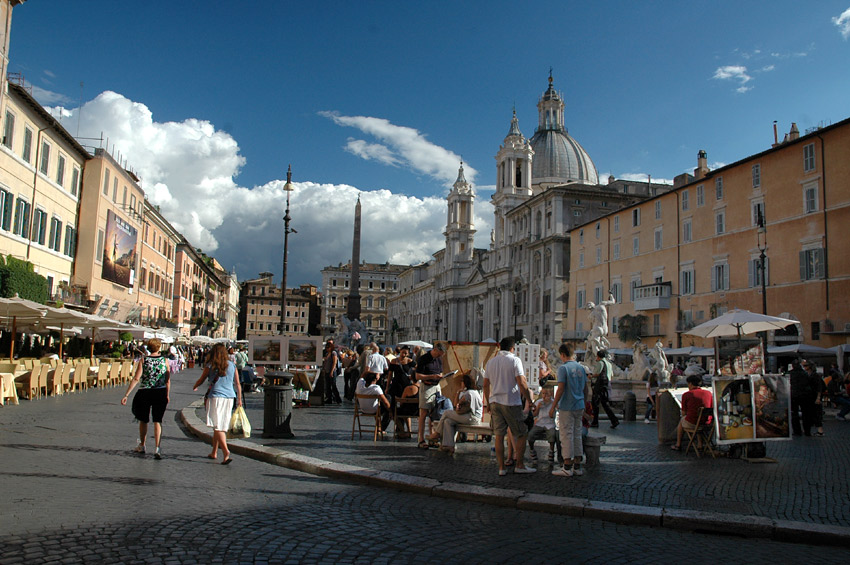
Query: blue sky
x,y
210,101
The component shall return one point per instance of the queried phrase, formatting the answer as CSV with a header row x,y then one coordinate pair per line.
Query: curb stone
x,y
674,518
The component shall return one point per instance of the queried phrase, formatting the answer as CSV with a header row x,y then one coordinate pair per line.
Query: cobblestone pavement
x,y
810,481
73,492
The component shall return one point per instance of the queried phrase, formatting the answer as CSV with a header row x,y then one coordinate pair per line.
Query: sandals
x,y
676,447
509,462
423,445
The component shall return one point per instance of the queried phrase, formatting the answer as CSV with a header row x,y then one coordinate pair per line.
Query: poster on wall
x,y
751,408
529,354
119,251
303,350
265,350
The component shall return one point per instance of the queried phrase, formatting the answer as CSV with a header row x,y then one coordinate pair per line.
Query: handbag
x,y
239,424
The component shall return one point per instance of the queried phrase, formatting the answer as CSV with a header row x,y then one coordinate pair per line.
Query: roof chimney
x,y
794,133
702,164
775,135
610,179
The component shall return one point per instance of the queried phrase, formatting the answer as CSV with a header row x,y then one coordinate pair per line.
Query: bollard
x,y
629,406
592,446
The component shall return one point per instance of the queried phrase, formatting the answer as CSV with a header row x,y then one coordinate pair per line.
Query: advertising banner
x,y
119,251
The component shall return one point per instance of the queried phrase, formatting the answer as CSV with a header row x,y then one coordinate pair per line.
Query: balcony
x,y
653,296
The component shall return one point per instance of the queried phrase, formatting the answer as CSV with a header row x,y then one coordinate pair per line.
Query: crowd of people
x,y
569,402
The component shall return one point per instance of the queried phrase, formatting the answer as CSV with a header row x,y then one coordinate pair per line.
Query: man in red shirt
x,y
692,401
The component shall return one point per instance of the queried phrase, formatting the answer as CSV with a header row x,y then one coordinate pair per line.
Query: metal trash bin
x,y
277,405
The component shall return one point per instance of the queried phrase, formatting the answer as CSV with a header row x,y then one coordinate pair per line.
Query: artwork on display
x,y
750,362
529,354
751,408
266,350
119,251
303,350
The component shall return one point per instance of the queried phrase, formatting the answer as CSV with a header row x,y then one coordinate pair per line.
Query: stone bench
x,y
476,430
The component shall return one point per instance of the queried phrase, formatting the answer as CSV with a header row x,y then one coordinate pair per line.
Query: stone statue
x,y
640,367
659,362
354,333
597,339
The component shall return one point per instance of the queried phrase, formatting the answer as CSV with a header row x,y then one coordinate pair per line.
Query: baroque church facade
x,y
518,284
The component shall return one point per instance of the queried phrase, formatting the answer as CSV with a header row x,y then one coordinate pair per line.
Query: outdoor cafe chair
x,y
102,375
700,438
115,373
81,375
402,421
127,371
28,383
359,415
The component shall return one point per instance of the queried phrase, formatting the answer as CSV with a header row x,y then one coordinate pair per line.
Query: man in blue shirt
x,y
569,398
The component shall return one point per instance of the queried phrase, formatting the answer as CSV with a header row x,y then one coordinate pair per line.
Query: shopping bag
x,y
239,424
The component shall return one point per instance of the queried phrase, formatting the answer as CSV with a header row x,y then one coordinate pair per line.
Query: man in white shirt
x,y
367,385
505,390
377,363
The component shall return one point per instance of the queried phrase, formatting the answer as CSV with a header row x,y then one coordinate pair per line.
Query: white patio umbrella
x,y
415,342
801,349
14,310
738,323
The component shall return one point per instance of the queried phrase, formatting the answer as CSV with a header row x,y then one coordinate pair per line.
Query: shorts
x,y
150,402
503,417
549,434
687,425
428,396
219,411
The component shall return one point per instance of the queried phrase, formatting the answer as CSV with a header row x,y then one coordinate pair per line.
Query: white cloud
x,y
188,169
401,146
47,97
735,73
843,23
768,68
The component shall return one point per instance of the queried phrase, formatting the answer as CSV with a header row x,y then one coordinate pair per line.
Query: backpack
x,y
441,406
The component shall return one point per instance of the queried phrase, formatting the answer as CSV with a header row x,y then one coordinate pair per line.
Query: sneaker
x,y
551,456
140,447
157,454
563,472
503,472
840,417
646,421
577,471
524,470
615,424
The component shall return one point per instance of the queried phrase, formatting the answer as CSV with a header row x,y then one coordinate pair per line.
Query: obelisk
x,y
353,311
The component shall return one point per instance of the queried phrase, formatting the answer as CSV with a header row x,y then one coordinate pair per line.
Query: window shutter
x,y
802,265
726,277
751,273
820,266
714,278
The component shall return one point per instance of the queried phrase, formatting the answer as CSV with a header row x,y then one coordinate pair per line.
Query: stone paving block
x,y
475,493
816,534
552,504
716,522
623,513
303,463
400,481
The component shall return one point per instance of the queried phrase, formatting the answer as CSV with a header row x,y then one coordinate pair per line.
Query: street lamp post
x,y
437,320
286,231
762,244
277,400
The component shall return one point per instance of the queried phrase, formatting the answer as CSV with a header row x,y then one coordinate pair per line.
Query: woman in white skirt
x,y
223,388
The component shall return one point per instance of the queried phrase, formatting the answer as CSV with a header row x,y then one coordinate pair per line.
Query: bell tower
x,y
460,229
513,177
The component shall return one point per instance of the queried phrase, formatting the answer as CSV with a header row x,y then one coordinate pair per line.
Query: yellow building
x,y
693,253
41,168
108,241
259,308
158,246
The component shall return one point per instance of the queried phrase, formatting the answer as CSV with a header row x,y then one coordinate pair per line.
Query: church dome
x,y
558,158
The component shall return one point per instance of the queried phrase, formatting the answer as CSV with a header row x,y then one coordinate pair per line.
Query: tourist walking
x,y
569,399
222,390
602,377
154,380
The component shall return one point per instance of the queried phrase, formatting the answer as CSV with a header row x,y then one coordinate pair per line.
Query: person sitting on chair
x,y
367,385
692,401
